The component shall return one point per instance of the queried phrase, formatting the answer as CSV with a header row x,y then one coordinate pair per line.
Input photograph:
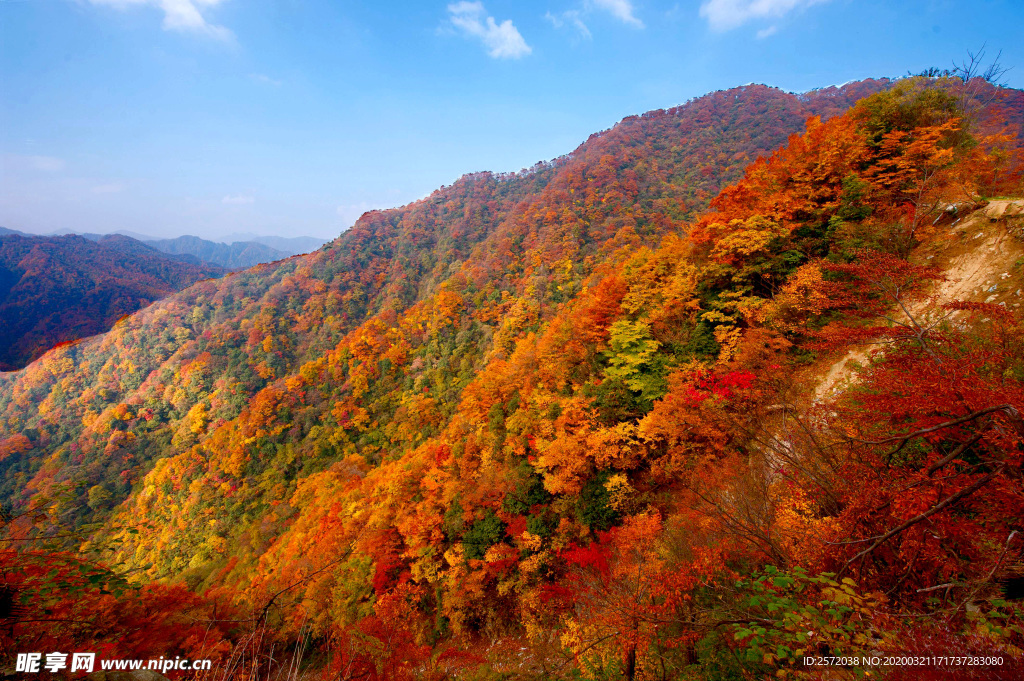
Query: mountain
x,y
130,242
296,245
237,255
245,250
725,387
59,289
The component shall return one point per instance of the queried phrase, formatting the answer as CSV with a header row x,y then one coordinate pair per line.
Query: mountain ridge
x,y
232,256
383,264
234,251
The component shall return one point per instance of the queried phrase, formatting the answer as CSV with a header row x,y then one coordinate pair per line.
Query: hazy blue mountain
x,y
291,245
234,251
55,289
237,255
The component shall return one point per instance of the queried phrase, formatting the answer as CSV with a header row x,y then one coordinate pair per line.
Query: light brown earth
x,y
982,255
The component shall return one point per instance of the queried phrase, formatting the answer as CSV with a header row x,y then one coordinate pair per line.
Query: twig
x,y
1010,411
967,491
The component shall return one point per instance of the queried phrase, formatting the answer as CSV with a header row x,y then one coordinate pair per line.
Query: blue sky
x,y
291,117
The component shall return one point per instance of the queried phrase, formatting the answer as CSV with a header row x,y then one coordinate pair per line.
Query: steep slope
x,y
528,241
980,250
59,289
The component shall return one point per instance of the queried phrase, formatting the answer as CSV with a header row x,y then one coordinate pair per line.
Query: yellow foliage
x,y
620,491
197,418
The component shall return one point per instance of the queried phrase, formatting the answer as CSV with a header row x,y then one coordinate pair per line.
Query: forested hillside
x,y
571,422
60,289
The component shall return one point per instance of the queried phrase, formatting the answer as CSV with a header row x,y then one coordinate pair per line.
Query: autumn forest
x,y
731,385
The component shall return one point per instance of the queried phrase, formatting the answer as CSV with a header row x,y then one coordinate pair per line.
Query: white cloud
x,y
47,164
503,41
237,200
765,32
265,79
570,17
621,10
111,188
723,15
179,15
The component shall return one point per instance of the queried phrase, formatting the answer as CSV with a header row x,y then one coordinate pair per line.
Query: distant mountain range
x,y
291,245
55,289
66,286
237,251
244,250
234,256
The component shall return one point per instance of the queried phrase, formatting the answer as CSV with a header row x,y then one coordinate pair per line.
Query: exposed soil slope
x,y
982,255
